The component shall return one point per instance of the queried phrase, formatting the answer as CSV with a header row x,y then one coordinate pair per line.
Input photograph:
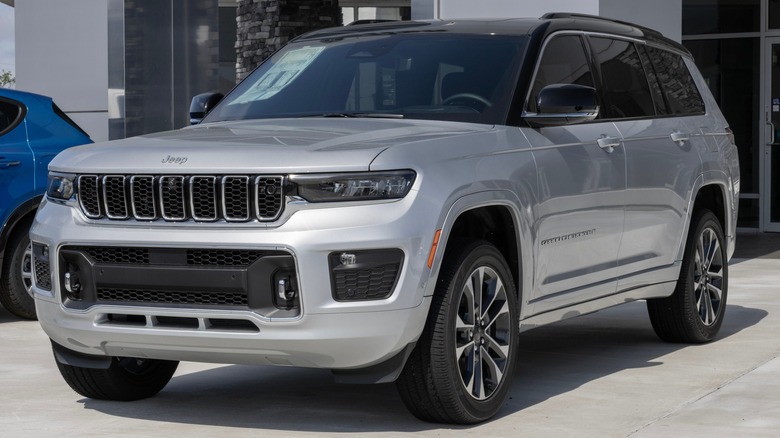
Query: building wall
x,y
513,8
662,15
62,52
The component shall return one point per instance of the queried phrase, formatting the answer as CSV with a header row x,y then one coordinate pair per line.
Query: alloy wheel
x,y
708,276
483,332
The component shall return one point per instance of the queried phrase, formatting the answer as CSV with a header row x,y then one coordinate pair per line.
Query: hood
x,y
258,146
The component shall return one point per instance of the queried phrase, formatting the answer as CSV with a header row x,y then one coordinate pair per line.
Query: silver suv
x,y
397,202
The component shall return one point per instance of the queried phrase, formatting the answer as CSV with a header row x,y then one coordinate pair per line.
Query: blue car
x,y
32,131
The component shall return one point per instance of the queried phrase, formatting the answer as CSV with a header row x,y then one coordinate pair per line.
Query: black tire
x,y
433,384
16,281
695,311
126,379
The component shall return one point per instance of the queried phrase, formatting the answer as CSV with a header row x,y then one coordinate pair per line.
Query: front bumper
x,y
326,333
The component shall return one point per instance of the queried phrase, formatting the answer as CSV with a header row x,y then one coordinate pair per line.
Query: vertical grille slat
x,y
178,198
142,197
235,198
89,196
172,198
115,196
203,198
268,197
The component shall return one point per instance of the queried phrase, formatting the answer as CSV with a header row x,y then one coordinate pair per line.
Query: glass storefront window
x,y
774,14
721,16
731,68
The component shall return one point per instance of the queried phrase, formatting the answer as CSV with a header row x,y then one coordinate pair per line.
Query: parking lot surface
x,y
604,374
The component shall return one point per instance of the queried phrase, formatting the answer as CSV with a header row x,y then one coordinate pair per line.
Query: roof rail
x,y
551,15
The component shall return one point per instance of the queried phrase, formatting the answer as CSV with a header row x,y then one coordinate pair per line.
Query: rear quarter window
x,y
677,84
10,113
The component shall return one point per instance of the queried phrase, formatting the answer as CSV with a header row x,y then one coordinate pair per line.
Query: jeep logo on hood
x,y
174,160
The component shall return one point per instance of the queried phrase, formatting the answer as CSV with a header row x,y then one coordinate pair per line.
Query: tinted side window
x,y
563,62
652,79
8,114
676,81
623,78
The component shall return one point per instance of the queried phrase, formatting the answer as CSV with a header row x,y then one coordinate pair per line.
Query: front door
x,y
771,149
582,184
16,159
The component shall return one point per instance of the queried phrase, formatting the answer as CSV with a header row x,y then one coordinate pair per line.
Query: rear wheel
x,y
462,367
695,311
16,282
126,379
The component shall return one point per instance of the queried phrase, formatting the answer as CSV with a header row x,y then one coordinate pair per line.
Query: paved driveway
x,y
601,375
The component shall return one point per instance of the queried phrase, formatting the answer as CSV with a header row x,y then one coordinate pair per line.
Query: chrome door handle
x,y
6,164
608,143
679,137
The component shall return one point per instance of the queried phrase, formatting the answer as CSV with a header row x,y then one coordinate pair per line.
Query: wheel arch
x,y
23,213
711,195
496,218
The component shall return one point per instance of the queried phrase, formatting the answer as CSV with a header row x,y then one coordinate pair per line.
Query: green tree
x,y
6,79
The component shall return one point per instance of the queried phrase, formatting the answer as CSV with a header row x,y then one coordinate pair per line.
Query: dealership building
x,y
128,67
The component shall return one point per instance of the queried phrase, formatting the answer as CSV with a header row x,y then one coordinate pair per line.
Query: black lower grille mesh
x,y
365,284
150,296
42,274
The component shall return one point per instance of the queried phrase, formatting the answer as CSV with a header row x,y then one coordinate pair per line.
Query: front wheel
x,y
695,311
462,367
126,379
16,281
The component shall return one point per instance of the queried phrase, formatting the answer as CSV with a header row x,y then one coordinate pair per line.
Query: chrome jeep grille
x,y
202,198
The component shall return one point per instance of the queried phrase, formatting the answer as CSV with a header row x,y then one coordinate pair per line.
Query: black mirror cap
x,y
564,104
202,104
567,99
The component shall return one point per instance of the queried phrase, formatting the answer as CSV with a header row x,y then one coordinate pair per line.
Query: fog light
x,y
72,285
364,275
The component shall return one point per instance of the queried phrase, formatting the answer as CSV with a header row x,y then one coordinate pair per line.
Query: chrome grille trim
x,y
89,196
115,196
268,197
181,198
203,206
172,205
238,188
142,199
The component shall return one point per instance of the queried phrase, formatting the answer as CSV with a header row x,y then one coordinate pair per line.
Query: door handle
x,y
608,143
6,164
679,137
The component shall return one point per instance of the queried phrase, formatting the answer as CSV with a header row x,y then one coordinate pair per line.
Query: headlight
x,y
354,186
60,186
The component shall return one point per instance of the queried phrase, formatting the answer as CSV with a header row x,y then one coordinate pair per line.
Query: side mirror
x,y
564,104
202,104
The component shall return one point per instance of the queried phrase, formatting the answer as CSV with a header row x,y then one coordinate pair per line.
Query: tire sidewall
x,y
15,287
482,254
707,220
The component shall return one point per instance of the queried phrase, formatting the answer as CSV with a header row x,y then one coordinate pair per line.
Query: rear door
x,y
16,159
581,175
650,100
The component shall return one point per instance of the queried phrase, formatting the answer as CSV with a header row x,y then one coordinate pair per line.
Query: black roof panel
x,y
548,23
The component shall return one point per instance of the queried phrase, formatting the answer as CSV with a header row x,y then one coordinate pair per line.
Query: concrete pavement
x,y
601,375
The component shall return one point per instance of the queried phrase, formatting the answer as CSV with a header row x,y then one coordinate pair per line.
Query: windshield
x,y
424,76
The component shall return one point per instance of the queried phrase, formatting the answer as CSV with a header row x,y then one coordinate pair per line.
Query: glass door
x,y
771,195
